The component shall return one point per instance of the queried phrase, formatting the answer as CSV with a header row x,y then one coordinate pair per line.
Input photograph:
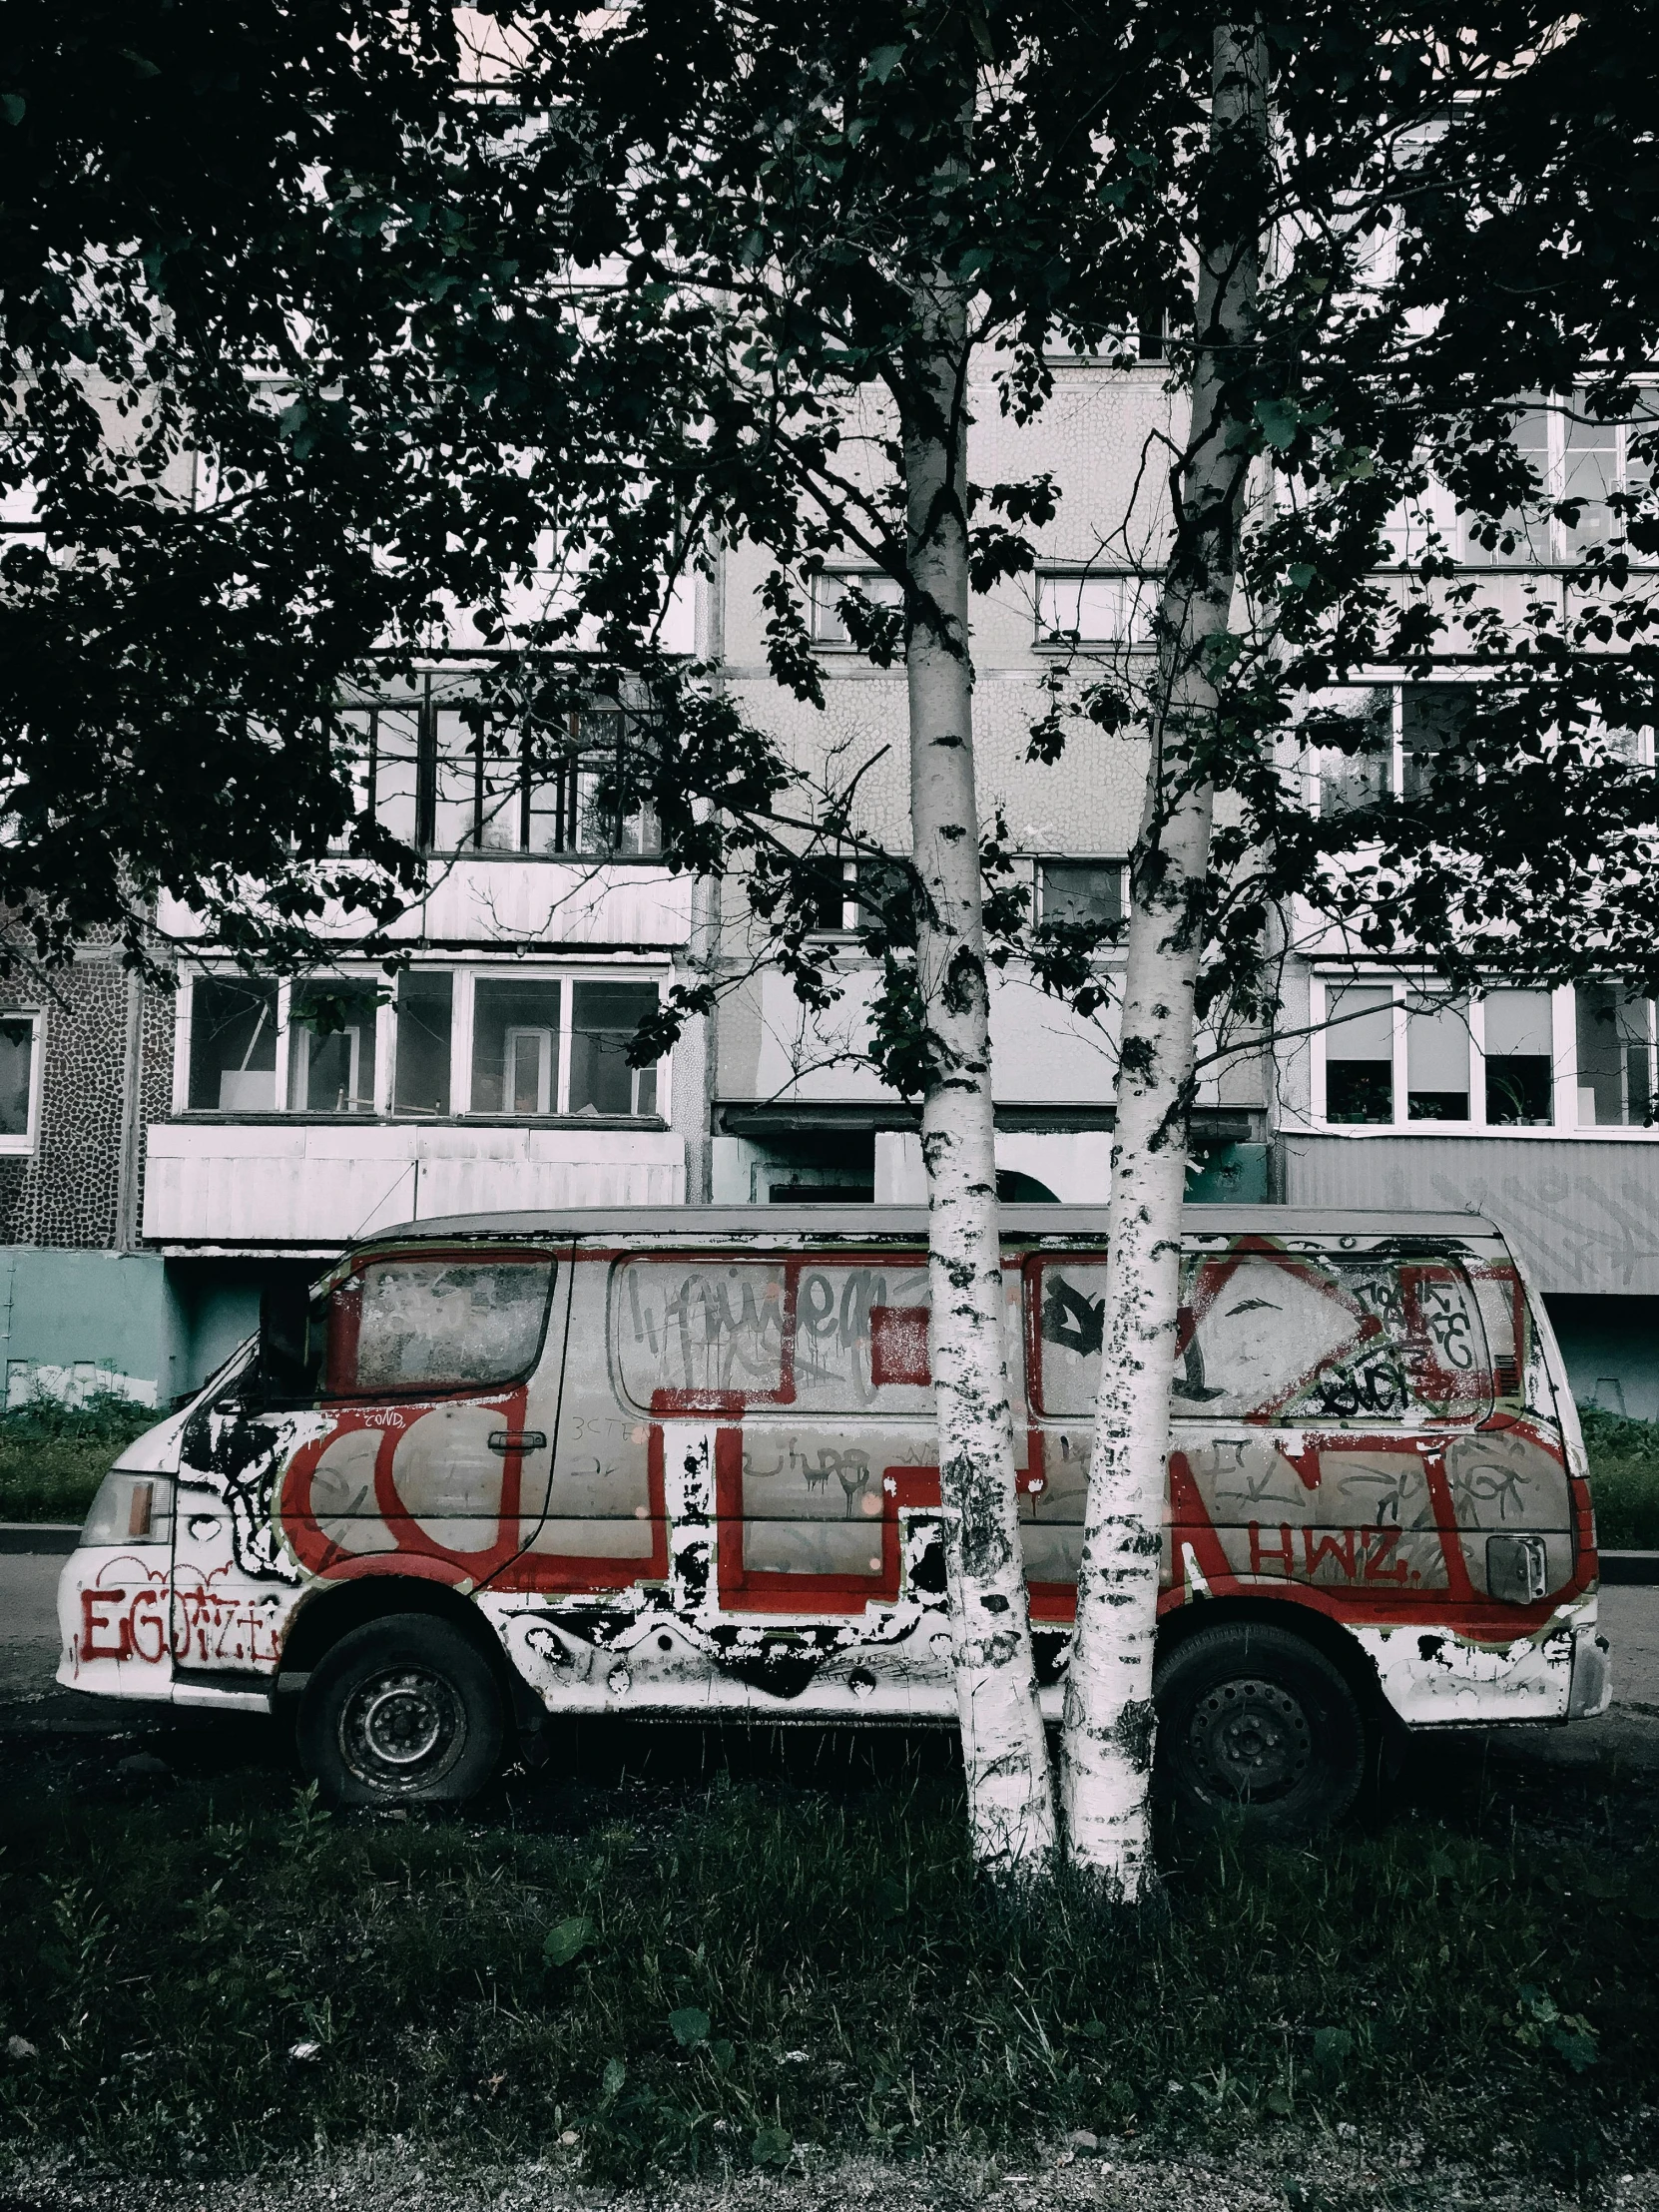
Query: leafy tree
x,y
699,271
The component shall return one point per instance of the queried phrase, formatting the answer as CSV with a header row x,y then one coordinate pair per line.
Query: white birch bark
x,y
1005,1750
1106,1752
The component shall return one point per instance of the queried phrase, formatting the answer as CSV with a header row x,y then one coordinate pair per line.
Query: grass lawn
x,y
53,1457
1624,1479
215,1974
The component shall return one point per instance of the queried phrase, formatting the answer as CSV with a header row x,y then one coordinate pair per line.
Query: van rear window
x,y
436,1324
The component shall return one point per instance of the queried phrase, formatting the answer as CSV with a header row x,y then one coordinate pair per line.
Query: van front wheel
x,y
402,1711
1253,1722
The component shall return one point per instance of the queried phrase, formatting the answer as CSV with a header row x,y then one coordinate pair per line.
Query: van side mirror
x,y
288,1357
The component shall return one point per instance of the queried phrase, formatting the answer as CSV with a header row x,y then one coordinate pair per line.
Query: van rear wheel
x,y
402,1711
1253,1722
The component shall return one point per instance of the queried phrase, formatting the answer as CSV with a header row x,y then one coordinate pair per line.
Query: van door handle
x,y
516,1440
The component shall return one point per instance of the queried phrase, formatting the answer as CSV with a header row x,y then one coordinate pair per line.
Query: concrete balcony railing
x,y
319,1186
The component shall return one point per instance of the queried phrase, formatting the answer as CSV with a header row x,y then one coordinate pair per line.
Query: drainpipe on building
x,y
695,1066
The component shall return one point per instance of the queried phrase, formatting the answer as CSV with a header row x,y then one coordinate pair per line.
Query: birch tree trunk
x,y
1106,1753
1005,1750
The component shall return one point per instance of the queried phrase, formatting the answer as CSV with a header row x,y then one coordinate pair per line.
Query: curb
x,y
39,1536
1629,1567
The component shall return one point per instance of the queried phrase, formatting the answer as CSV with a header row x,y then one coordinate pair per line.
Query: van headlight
x,y
131,1509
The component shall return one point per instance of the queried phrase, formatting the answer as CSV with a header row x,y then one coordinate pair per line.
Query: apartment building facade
x,y
165,1154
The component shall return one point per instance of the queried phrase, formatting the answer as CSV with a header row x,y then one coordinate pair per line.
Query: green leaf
x,y
611,2080
144,67
1330,2047
882,61
12,106
1574,2041
1278,421
565,1940
772,2146
690,2026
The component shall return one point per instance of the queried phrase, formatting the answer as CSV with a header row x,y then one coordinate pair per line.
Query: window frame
x,y
1558,550
1142,588
25,1142
819,607
1563,1122
434,699
1042,862
1310,754
466,977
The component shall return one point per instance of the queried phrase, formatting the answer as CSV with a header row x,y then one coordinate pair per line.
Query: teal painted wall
x,y
73,1322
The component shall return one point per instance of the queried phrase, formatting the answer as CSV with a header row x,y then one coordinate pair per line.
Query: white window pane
x,y
233,1045
17,1047
331,1047
1437,1061
1520,1059
1589,473
1097,610
1615,1057
396,770
515,1048
1359,1055
455,791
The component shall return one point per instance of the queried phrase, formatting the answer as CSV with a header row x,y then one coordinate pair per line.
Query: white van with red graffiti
x,y
682,1464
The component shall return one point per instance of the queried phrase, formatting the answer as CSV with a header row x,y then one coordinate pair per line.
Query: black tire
x,y
402,1711
1255,1724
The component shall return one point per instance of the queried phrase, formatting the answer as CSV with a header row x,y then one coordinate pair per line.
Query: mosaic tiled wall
x,y
68,1191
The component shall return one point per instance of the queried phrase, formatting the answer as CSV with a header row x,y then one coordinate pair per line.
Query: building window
x,y
426,1024
1521,1063
604,1018
445,1042
19,1081
439,784
515,1048
1360,1056
1437,1055
1077,607
1359,771
233,1045
1396,1054
332,1034
1573,457
828,593
1616,1074
1081,891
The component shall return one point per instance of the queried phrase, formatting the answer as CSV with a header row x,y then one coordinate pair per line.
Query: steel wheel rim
x,y
1251,1739
401,1729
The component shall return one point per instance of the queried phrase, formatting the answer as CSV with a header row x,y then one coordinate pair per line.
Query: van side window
x,y
1266,1337
860,1340
436,1324
1270,1338
1072,1303
694,1329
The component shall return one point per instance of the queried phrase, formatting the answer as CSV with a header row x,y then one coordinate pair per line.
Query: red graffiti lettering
x,y
1380,1544
1283,1551
1336,1545
101,1621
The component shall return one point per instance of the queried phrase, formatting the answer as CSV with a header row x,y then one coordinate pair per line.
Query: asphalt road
x,y
32,1704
